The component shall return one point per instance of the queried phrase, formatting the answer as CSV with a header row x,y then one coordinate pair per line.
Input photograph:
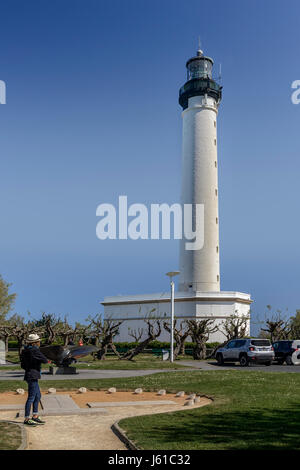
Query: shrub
x,y
160,345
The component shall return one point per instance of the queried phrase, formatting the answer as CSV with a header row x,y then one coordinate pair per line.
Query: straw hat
x,y
33,338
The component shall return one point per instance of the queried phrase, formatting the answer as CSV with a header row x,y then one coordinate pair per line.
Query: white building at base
x,y
199,294
133,308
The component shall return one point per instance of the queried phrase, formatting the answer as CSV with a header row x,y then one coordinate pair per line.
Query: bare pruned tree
x,y
277,330
65,331
235,326
276,327
200,330
153,332
75,334
104,331
136,334
110,330
295,325
81,332
6,332
22,331
50,324
50,332
181,333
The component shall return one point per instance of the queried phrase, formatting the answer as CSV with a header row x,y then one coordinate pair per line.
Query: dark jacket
x,y
32,358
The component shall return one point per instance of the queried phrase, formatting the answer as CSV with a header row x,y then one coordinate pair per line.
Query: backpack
x,y
25,359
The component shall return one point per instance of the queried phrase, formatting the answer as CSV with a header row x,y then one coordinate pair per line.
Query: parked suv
x,y
284,351
246,351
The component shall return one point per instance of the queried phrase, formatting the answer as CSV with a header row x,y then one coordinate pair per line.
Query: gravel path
x,y
89,432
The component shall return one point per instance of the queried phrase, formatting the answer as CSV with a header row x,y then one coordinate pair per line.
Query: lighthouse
x,y
198,296
200,98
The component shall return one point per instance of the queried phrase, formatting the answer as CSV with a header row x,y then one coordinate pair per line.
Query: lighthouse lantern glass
x,y
199,68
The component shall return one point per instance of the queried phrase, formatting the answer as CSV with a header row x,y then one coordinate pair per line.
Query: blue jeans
x,y
34,396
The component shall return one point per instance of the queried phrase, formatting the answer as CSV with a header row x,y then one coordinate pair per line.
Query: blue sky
x,y
92,113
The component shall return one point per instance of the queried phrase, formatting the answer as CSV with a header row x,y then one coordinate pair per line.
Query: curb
x,y
23,444
122,436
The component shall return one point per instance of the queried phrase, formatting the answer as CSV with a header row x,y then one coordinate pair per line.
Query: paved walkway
x,y
212,365
87,374
88,432
55,404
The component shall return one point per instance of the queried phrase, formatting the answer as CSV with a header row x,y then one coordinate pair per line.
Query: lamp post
x,y
171,275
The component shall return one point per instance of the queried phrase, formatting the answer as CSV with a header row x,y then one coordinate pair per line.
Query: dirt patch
x,y
81,399
12,398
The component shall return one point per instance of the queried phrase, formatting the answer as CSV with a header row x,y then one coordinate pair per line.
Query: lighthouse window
x,y
216,192
216,220
217,249
216,164
199,68
218,277
215,124
215,141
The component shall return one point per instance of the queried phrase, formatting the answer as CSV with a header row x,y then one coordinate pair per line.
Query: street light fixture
x,y
171,274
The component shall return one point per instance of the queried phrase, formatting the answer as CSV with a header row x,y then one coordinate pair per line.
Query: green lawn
x,y
10,436
12,356
142,361
252,410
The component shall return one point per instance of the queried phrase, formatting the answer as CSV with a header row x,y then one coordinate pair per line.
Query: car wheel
x,y
289,361
268,363
220,359
244,361
280,362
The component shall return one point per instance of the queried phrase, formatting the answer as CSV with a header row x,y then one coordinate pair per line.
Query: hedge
x,y
160,345
129,345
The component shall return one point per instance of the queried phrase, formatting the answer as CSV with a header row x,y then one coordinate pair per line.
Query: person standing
x,y
31,361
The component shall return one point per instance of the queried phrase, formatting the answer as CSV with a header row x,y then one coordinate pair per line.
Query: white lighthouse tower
x,y
200,97
198,295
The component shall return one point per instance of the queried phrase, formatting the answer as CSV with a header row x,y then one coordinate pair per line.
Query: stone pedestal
x,y
2,353
165,354
62,370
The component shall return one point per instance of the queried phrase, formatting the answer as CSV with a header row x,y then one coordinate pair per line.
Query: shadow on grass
x,y
221,429
10,436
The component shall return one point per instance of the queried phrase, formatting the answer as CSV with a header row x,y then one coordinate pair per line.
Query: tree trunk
x,y
180,337
101,354
177,349
152,335
199,351
129,355
113,347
